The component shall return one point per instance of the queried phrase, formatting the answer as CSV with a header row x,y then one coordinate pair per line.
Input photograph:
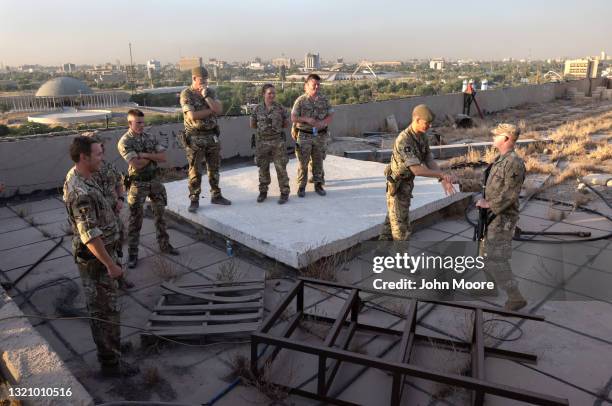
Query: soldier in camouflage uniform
x,y
501,196
143,152
410,157
312,114
95,242
200,109
269,118
111,182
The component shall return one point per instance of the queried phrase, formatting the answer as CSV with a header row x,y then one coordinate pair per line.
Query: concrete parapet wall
x,y
40,162
29,362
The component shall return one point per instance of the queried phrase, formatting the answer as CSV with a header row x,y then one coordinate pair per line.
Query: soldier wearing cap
x,y
200,109
311,114
269,118
502,186
410,157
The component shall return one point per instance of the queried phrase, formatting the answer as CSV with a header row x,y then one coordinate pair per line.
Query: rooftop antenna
x,y
131,72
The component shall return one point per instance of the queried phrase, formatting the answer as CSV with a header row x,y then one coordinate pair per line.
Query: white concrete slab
x,y
305,229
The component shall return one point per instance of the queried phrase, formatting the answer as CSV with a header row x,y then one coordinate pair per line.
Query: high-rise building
x,y
436,64
581,68
603,56
68,68
186,64
153,64
312,61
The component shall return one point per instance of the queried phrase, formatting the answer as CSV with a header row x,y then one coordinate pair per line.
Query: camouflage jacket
x,y
89,212
109,179
269,123
409,149
318,109
192,100
503,186
130,145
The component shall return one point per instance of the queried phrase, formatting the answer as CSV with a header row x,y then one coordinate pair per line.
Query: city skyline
x,y
88,34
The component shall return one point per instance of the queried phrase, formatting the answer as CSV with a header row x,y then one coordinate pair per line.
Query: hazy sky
x,y
60,31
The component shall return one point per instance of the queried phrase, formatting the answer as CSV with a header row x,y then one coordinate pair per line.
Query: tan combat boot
x,y
515,301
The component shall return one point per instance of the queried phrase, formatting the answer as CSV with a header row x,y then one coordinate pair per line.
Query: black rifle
x,y
480,230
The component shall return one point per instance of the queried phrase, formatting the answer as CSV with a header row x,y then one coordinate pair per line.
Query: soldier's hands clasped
x,y
483,204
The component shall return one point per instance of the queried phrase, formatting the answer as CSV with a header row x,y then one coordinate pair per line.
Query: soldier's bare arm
x,y
296,116
96,246
138,163
154,156
199,115
447,178
423,170
306,120
215,105
326,121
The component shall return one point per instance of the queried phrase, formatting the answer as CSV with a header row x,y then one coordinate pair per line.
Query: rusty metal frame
x,y
400,367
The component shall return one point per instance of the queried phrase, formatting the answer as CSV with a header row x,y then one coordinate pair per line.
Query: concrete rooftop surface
x,y
573,344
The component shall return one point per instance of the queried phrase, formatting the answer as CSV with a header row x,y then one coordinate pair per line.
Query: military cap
x,y
200,72
424,113
506,129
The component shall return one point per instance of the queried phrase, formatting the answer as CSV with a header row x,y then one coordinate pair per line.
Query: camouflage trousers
x,y
137,195
497,250
309,148
101,298
203,151
272,151
397,222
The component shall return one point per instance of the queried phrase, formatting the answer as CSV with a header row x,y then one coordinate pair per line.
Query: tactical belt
x,y
144,177
322,131
203,132
270,136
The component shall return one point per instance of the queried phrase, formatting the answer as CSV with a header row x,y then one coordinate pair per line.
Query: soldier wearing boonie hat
x,y
410,157
503,181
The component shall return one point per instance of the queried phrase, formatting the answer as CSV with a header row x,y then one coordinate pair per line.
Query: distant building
x,y
387,63
152,64
603,56
61,92
111,78
436,64
286,62
312,61
217,63
256,66
581,68
68,68
186,64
